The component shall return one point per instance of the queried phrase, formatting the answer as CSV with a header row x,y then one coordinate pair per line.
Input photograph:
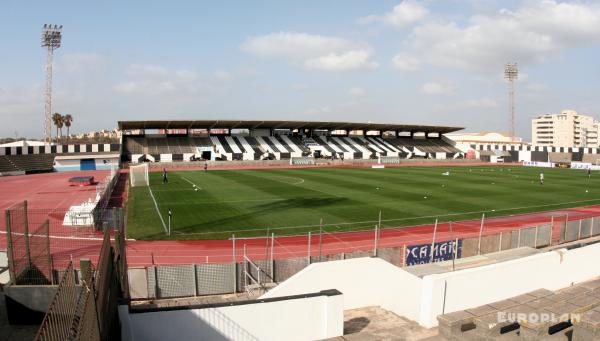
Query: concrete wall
x,y
75,164
363,281
372,281
553,270
313,317
34,297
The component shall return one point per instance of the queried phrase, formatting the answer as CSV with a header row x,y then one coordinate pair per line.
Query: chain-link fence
x,y
17,245
86,310
273,260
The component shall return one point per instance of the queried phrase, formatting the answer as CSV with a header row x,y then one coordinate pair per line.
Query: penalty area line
x,y
158,211
191,182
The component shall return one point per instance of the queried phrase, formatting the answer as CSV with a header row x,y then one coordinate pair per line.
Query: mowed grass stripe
x,y
248,200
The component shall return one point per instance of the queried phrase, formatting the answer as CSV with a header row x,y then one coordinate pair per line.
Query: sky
x,y
414,62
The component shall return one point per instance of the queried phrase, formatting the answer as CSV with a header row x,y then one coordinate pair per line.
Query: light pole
x,y
511,74
51,38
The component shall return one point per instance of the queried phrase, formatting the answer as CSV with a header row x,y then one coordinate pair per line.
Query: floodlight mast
x,y
51,39
511,73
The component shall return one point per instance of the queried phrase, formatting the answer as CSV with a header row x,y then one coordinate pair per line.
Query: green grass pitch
x,y
293,201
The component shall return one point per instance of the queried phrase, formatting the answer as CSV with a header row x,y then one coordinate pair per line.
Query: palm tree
x,y
57,120
61,124
67,119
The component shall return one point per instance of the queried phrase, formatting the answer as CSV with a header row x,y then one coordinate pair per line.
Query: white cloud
x,y
531,34
404,14
346,61
313,52
480,103
406,63
222,75
146,70
437,88
356,91
153,80
79,62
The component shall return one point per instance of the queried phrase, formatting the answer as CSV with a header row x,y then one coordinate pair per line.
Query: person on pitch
x,y
165,179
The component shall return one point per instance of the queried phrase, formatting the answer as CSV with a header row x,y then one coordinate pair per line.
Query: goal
x,y
302,161
388,159
138,175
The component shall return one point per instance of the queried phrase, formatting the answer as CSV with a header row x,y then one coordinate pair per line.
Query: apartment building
x,y
567,129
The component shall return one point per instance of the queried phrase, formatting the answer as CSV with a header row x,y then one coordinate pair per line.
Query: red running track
x,y
143,253
49,196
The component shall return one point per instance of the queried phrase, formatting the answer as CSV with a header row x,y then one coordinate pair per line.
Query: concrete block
x,y
588,328
452,325
481,310
503,305
138,283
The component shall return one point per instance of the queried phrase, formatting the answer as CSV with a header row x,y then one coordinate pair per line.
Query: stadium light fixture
x,y
51,40
511,74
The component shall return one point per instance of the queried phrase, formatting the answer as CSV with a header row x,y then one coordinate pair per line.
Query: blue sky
x,y
428,62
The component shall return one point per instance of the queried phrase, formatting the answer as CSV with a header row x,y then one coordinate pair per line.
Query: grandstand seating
x,y
424,145
560,157
164,145
29,163
6,165
590,158
286,146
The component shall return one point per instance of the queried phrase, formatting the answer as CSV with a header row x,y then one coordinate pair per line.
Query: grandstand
x,y
44,158
281,140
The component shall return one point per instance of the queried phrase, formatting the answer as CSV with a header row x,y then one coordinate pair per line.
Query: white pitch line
x,y
191,182
56,237
157,210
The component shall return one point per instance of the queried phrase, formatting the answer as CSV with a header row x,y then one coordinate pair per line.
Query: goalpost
x,y
138,175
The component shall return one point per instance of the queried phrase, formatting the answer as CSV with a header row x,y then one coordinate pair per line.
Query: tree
x,y
57,119
67,120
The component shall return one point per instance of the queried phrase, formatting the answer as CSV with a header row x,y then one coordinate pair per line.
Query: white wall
x,y
372,281
310,318
363,281
551,270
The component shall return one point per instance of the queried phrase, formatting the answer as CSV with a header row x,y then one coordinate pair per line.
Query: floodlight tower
x,y
51,37
511,73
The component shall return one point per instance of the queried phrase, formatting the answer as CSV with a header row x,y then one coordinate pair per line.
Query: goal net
x,y
389,159
302,161
138,175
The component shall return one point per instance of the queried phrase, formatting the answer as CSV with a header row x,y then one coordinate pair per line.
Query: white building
x,y
463,141
567,129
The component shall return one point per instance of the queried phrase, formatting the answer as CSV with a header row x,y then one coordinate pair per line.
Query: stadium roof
x,y
233,124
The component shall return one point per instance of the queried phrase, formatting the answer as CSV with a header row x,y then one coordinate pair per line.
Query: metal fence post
x,y
115,217
320,238
195,280
50,267
579,232
519,238
234,261
552,229
308,256
272,260
375,242
480,233
404,256
592,228
433,241
10,249
500,242
26,234
536,237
